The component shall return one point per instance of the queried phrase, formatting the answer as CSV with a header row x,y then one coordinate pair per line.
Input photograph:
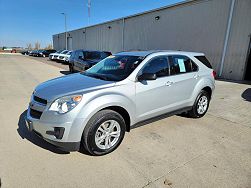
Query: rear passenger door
x,y
183,79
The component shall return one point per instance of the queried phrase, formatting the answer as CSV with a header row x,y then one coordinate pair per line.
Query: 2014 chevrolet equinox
x,y
94,108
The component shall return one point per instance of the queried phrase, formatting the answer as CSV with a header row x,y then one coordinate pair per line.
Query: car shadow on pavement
x,y
33,138
246,95
65,72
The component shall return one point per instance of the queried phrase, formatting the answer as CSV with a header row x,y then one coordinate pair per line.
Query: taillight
x,y
214,74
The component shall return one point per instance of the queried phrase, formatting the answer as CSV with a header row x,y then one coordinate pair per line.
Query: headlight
x,y
65,104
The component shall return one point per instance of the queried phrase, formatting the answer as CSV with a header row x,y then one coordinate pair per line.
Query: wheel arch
x,y
205,84
115,102
123,112
208,90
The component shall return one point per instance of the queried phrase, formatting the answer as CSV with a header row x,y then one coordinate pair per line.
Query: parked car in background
x,y
81,60
25,52
55,55
45,53
64,58
95,108
37,53
33,52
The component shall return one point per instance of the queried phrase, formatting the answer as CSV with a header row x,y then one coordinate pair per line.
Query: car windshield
x,y
114,68
64,52
69,53
59,51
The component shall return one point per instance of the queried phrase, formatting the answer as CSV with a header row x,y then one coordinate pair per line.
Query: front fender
x,y
98,103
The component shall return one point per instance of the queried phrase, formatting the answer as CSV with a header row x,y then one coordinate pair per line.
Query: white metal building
x,y
219,28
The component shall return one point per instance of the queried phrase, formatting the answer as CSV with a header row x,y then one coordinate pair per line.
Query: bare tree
x,y
49,47
37,45
29,46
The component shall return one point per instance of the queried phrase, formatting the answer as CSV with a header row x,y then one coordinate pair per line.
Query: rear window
x,y
204,60
108,54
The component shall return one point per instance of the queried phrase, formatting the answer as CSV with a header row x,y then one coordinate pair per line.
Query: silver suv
x,y
95,108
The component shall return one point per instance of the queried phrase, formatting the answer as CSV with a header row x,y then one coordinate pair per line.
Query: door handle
x,y
196,76
169,83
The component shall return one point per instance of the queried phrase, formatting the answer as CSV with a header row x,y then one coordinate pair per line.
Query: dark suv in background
x,y
45,53
81,60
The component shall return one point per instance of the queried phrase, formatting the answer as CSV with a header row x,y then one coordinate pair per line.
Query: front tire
x,y
200,106
71,69
104,132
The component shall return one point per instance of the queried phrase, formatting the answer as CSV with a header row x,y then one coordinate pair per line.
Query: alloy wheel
x,y
107,134
202,105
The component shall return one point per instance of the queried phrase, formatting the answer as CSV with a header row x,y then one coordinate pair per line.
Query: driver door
x,y
152,95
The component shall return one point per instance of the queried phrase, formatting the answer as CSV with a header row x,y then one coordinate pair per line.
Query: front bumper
x,y
70,140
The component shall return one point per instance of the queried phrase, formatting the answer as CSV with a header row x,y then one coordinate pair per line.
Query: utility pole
x,y
65,29
89,11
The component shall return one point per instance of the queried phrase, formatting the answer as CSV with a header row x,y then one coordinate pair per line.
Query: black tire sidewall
x,y
194,111
92,147
71,68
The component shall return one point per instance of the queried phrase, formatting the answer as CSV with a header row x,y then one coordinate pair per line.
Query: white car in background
x,y
55,55
64,58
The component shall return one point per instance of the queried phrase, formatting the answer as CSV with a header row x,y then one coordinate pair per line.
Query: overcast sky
x,y
28,21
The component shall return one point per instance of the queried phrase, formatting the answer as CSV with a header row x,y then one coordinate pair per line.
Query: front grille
x,y
35,114
40,100
55,56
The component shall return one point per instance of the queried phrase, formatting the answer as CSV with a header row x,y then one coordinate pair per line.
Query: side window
x,y
92,55
194,66
204,60
72,55
76,55
182,64
80,54
158,66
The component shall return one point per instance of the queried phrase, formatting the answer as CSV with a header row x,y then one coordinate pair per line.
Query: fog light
x,y
58,132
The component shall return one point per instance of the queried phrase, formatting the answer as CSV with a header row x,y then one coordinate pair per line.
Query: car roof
x,y
146,53
91,51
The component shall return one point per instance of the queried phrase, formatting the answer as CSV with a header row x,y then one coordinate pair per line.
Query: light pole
x,y
65,30
89,11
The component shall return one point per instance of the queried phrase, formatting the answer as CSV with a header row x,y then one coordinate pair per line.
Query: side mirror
x,y
147,76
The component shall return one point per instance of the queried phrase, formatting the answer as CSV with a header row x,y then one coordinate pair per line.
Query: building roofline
x,y
185,2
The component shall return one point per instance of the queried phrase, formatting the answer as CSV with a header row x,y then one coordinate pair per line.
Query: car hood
x,y
54,54
64,55
70,84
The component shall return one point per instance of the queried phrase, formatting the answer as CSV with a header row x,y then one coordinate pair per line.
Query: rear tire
x,y
200,106
103,133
